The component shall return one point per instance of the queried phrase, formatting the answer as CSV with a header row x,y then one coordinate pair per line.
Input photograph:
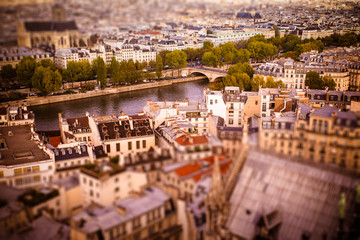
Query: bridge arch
x,y
210,74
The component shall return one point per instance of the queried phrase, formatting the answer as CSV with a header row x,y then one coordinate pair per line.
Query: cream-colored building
x,y
24,163
124,134
105,183
354,77
324,135
149,214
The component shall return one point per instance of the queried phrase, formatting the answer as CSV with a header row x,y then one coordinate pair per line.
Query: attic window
x,y
248,212
56,153
128,134
83,148
63,151
70,150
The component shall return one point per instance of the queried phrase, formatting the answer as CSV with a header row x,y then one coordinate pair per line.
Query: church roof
x,y
42,26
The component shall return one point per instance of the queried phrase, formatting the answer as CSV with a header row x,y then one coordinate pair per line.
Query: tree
x,y
291,54
8,73
207,45
277,32
25,70
176,59
163,54
329,82
209,59
270,82
159,66
99,68
241,56
115,70
85,70
241,68
72,72
290,41
313,80
152,64
257,38
46,80
48,63
123,71
257,81
261,50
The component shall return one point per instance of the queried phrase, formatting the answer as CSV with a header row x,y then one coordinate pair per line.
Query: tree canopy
x,y
25,70
99,68
46,80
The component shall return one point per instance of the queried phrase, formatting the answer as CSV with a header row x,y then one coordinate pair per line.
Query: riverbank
x,y
35,100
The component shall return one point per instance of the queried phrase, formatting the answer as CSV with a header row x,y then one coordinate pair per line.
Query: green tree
x,y
48,63
25,70
115,70
159,66
241,56
257,38
261,50
123,72
290,41
152,64
241,68
291,54
329,82
163,54
46,80
277,32
270,82
313,80
207,45
209,59
176,59
99,68
72,72
8,73
257,81
85,70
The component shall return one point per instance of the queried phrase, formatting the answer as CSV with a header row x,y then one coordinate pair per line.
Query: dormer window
x,y
70,150
63,151
79,130
118,135
128,134
56,153
83,149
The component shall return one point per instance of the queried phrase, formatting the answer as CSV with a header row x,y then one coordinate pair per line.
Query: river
x,y
46,116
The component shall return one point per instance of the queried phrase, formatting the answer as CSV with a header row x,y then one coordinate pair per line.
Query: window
x,y
256,102
264,107
216,101
144,143
17,171
231,121
130,145
108,148
118,147
211,102
136,223
137,144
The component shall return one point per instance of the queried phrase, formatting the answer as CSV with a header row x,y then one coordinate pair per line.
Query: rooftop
x,y
19,148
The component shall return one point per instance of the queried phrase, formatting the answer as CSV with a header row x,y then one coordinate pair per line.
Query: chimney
x,y
62,134
333,116
131,123
164,102
121,209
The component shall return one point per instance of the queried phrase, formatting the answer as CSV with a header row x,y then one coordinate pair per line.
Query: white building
x,y
226,36
215,103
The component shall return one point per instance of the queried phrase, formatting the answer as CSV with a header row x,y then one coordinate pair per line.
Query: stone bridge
x,y
213,74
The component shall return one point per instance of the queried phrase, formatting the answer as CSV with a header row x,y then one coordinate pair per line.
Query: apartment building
x,y
124,134
70,157
226,36
324,135
354,77
16,116
106,182
13,55
24,163
340,75
149,214
215,103
75,129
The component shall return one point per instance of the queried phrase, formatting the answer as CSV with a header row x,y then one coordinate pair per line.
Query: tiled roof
x,y
191,140
188,169
78,123
55,141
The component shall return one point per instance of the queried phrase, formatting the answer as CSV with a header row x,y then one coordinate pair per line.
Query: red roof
x,y
191,140
55,141
187,169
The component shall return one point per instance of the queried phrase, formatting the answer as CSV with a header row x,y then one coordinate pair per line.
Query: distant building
x,y
354,77
224,37
15,116
14,55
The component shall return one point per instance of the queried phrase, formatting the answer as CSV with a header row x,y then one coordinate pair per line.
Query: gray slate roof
x,y
305,197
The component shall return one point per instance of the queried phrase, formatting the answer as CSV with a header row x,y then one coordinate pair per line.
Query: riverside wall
x,y
35,100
